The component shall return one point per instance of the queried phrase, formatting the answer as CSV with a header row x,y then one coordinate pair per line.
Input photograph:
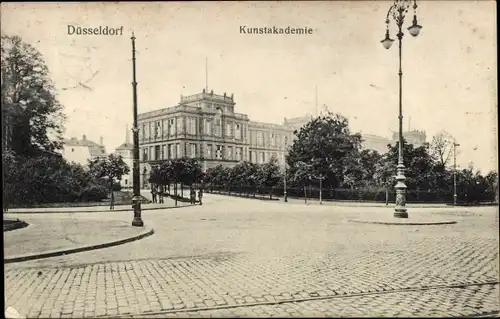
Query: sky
x,y
449,69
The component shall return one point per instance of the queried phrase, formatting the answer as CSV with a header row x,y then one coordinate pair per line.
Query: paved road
x,y
239,257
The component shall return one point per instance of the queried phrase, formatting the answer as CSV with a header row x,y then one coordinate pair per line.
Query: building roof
x,y
94,148
126,146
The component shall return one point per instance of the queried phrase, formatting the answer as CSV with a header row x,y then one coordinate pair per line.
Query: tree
x,y
385,173
190,171
110,168
441,148
270,175
419,165
326,144
30,109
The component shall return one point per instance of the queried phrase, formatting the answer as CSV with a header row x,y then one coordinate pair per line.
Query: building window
x,y
146,131
260,138
238,153
194,151
157,129
157,152
237,131
218,152
163,151
191,125
126,182
253,137
177,150
273,139
208,126
145,156
217,127
165,127
180,125
209,151
72,150
229,152
170,151
171,126
262,158
229,129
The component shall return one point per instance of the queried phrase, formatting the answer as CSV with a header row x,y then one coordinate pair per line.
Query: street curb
x,y
403,223
77,250
92,211
15,225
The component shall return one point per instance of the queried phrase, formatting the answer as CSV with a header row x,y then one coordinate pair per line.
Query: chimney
x,y
102,141
127,134
84,137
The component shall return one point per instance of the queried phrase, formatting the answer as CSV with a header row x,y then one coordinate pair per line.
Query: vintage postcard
x,y
250,159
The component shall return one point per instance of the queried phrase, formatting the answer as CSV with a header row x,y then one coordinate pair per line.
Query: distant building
x,y
296,123
126,151
375,142
415,137
80,151
206,126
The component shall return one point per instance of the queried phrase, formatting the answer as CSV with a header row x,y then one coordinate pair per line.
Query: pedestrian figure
x,y
160,195
192,196
112,203
153,194
200,195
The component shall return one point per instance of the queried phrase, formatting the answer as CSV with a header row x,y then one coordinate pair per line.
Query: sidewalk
x,y
54,236
315,201
362,204
94,209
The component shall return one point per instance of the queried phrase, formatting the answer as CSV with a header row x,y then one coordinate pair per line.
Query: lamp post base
x,y
137,221
401,214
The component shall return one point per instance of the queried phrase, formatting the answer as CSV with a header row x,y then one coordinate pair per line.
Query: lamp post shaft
x,y
284,179
137,221
400,208
454,173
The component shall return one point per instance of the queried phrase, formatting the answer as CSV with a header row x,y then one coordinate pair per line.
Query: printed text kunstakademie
x,y
275,30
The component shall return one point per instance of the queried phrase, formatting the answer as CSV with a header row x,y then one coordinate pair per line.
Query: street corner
x,y
44,239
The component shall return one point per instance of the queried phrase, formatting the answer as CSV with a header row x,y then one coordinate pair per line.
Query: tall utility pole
x,y
455,196
136,200
285,196
206,74
316,99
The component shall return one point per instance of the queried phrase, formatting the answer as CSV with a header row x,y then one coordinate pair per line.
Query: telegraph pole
x,y
136,200
455,196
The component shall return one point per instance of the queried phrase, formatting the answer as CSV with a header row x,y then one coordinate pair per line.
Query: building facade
x,y
126,151
415,137
376,143
205,126
80,151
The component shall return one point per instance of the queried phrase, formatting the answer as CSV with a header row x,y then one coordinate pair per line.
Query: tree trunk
x,y
182,190
305,194
112,197
271,193
386,196
175,193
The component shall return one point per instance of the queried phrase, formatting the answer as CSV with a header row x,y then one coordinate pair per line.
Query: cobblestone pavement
x,y
222,260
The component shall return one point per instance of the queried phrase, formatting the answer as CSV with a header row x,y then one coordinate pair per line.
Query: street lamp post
x,y
136,199
320,178
455,196
284,178
398,11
